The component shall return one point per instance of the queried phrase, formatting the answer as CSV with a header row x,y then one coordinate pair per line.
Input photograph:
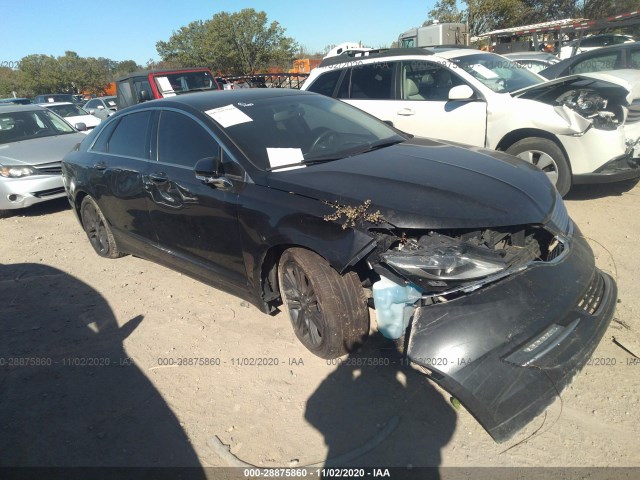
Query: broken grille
x,y
556,252
49,192
50,168
593,296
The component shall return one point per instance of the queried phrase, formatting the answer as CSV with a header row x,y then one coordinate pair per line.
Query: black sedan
x,y
295,199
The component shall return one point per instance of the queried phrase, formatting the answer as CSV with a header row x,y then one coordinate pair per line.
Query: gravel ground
x,y
100,388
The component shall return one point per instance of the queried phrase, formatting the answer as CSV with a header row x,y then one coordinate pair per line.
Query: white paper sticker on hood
x,y
228,116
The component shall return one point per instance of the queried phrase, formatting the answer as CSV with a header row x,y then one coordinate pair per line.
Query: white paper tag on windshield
x,y
283,157
228,116
165,86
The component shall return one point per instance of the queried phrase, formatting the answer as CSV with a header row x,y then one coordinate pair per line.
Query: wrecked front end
x,y
598,120
502,317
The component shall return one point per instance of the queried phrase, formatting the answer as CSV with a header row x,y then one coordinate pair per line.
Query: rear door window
x,y
370,82
326,83
130,136
423,80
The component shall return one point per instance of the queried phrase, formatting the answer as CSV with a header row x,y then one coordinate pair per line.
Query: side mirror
x,y
144,96
81,126
91,111
210,171
461,92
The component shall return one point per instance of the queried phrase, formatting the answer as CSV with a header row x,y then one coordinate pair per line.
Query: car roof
x,y
145,73
55,104
444,51
220,98
373,54
531,55
12,107
599,35
54,95
559,67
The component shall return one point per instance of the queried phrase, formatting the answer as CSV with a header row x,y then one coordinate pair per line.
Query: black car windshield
x,y
67,110
498,73
184,82
282,131
24,125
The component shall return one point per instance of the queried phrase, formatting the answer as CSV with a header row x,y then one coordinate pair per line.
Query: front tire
x,y
548,157
98,230
328,311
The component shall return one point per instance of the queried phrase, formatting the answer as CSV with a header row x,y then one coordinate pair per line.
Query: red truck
x,y
138,87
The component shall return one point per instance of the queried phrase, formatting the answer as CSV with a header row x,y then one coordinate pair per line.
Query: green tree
x,y
41,74
10,82
446,11
188,47
69,73
486,15
236,43
481,15
595,9
123,68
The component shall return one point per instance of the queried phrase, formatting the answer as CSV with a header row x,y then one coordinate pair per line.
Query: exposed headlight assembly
x,y
15,171
589,104
439,259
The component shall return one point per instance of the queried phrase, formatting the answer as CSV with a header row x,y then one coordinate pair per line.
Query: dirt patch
x,y
190,364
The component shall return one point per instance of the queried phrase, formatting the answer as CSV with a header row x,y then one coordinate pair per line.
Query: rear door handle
x,y
406,112
100,166
160,177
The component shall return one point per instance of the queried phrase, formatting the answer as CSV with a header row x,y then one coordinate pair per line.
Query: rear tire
x,y
98,230
328,311
548,157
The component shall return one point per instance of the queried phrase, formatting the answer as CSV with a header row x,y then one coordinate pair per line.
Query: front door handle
x,y
158,177
405,112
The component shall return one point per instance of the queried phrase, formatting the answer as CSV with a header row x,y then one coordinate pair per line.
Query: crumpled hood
x,y
627,80
428,184
37,151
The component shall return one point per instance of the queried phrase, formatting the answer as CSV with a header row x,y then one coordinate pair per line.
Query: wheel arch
x,y
80,195
522,133
267,272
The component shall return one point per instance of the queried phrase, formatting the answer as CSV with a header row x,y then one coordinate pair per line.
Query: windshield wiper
x,y
381,144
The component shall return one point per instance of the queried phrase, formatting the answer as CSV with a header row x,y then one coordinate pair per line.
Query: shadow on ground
x,y
42,208
70,396
375,412
590,192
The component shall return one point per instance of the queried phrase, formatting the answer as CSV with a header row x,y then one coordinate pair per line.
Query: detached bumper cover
x,y
508,350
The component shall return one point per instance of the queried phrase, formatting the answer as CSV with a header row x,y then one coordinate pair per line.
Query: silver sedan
x,y
33,141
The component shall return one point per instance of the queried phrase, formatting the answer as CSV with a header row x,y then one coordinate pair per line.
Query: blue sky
x,y
129,29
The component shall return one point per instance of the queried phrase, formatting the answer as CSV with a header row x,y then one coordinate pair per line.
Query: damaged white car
x,y
578,129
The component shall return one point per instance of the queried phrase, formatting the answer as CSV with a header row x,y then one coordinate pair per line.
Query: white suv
x,y
577,129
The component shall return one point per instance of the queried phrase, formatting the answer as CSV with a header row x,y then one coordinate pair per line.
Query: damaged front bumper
x,y
622,168
507,350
